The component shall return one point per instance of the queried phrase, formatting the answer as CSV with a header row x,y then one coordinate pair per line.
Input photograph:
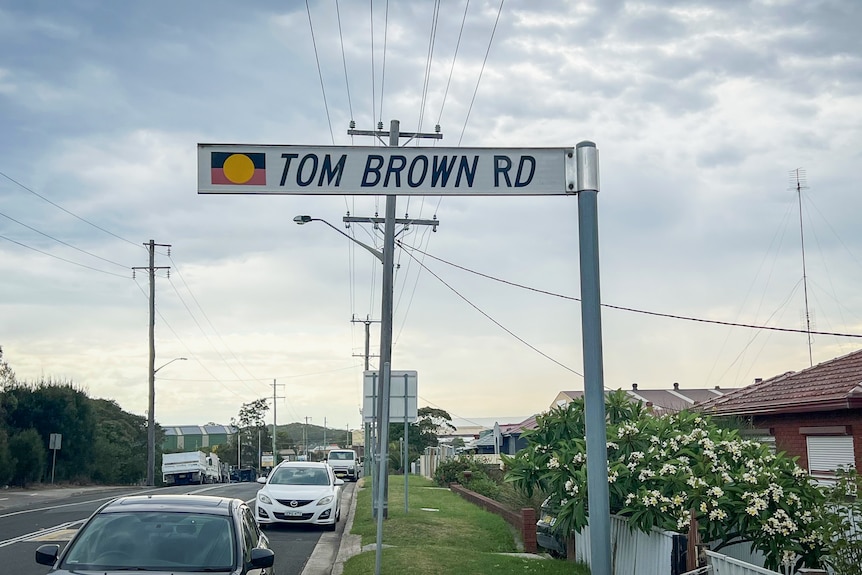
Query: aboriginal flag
x,y
239,168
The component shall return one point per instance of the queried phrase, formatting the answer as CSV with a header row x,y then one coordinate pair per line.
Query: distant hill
x,y
297,432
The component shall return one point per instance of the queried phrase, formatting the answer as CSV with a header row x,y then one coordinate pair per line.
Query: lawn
x,y
441,534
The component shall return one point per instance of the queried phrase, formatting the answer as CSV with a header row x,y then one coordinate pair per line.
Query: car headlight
x,y
262,497
326,500
351,468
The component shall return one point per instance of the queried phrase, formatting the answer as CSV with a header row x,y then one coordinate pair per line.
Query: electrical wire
x,y
383,67
63,259
481,71
495,322
320,73
432,37
633,310
344,59
454,58
50,237
74,215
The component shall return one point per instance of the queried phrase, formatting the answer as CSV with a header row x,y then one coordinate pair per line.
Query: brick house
x,y
815,413
659,400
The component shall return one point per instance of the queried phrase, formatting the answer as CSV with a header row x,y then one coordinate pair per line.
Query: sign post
x,y
392,171
55,440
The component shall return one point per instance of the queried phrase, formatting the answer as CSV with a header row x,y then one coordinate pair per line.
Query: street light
x,y
301,220
151,425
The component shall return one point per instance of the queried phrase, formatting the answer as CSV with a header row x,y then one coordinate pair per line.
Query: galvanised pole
x,y
591,325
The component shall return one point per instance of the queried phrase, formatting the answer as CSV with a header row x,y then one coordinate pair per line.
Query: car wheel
x,y
330,527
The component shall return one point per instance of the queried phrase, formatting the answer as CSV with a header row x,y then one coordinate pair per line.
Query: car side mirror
x,y
261,480
262,558
338,481
47,554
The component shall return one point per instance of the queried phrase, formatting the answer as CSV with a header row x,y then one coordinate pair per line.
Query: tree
x,y
120,450
423,432
253,431
7,376
663,467
27,451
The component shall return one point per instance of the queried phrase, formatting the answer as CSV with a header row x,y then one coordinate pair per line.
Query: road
x,y
31,518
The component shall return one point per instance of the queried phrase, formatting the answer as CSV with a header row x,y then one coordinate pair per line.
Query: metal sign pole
x,y
591,325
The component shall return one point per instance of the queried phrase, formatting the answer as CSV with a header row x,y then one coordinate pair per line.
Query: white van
x,y
345,463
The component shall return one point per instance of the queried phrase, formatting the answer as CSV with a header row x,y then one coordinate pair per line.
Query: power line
x,y
492,320
454,58
59,207
319,73
481,71
63,259
50,237
344,59
629,309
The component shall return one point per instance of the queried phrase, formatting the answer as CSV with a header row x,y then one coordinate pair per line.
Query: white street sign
x,y
402,396
363,170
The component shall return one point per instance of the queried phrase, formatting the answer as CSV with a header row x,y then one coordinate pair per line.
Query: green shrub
x,y
452,470
483,485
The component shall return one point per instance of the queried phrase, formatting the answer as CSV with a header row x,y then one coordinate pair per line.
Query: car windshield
x,y
153,541
341,456
299,476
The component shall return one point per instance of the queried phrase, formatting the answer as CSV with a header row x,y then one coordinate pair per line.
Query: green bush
x,y
842,520
452,470
483,485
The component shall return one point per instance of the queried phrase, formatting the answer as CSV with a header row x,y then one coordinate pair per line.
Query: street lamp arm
x,y
305,219
173,360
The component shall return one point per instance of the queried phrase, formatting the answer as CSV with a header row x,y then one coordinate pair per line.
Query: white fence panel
x,y
633,552
724,565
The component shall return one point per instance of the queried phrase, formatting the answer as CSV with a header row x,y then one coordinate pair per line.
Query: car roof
x,y
302,464
173,503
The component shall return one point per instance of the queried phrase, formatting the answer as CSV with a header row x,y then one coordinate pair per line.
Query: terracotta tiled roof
x,y
666,400
833,384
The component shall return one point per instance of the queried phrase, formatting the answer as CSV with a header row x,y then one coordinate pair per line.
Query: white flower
x,y
553,463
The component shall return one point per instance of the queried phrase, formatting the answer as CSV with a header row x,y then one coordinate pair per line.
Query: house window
x,y
826,453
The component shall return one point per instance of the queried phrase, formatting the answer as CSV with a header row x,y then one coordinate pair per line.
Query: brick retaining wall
x,y
524,522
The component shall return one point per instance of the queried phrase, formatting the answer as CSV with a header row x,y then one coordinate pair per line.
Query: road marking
x,y
61,535
41,533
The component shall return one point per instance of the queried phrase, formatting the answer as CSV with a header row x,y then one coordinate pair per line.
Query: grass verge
x,y
441,534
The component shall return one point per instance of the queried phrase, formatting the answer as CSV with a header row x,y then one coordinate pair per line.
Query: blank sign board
x,y
403,398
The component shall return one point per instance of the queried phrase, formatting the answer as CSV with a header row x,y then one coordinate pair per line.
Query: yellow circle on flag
x,y
238,168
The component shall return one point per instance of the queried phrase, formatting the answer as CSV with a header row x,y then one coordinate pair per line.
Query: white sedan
x,y
299,492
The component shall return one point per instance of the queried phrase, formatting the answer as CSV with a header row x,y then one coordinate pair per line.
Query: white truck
x,y
191,467
345,463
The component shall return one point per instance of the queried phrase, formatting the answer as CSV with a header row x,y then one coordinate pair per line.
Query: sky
x,y
703,113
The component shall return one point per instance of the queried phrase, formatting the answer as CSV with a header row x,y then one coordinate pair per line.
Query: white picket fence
x,y
635,552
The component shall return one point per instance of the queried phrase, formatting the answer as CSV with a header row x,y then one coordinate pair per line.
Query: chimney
x,y
675,386
758,379
717,387
634,387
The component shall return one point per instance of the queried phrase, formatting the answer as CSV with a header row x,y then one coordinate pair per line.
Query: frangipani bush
x,y
663,467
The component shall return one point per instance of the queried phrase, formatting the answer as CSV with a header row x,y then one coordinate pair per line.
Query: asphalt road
x,y
31,518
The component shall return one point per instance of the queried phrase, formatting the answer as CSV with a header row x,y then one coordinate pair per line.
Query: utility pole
x,y
324,434
381,482
305,433
366,461
274,424
151,406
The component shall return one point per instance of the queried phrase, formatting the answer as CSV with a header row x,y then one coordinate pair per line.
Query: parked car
x,y
300,492
545,535
165,534
345,463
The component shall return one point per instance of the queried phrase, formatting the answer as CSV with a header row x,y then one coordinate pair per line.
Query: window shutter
x,y
828,453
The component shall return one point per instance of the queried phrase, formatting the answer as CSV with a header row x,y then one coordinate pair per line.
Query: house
x,y
815,413
661,400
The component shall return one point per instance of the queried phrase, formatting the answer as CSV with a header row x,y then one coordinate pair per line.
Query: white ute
x,y
345,464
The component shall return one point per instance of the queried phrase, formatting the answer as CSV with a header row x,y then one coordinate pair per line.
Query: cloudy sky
x,y
701,111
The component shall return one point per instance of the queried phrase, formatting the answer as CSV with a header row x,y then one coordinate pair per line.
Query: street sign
x,y
55,440
364,170
402,397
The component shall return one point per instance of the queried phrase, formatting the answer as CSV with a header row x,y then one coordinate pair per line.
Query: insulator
x,y
379,125
437,128
352,124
